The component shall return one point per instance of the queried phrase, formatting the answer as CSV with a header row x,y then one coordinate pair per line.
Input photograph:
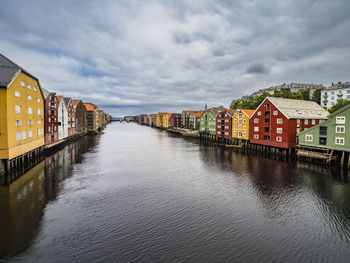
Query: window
x,y
279,139
279,120
49,129
267,121
17,94
235,127
340,120
240,115
30,111
30,134
18,122
29,86
244,127
34,88
267,114
29,97
340,129
256,120
256,129
275,112
306,121
239,121
235,121
234,133
24,135
244,134
259,113
267,129
38,111
266,138
23,84
279,130
313,122
39,121
38,100
30,122
267,106
323,141
244,121
323,131
18,136
339,140
17,109
256,136
309,138
49,119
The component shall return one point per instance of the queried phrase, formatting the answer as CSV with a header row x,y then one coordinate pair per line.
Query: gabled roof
x,y
76,102
59,98
248,113
190,111
198,114
169,115
216,110
339,111
89,106
8,70
298,109
46,93
66,100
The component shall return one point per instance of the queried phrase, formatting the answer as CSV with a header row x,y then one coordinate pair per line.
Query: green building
x,y
332,134
207,121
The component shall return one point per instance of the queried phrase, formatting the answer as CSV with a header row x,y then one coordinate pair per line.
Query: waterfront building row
x,y
32,117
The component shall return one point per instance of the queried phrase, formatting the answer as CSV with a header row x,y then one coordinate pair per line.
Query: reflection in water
x,y
143,195
22,203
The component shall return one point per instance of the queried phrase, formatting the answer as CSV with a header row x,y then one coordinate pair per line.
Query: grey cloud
x,y
257,68
143,56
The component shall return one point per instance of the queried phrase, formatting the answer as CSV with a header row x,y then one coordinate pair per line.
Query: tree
x,y
316,96
340,104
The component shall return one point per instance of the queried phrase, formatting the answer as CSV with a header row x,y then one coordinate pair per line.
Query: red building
x,y
175,120
224,124
50,117
277,121
153,120
71,116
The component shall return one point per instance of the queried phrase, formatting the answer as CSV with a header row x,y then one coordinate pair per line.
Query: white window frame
x,y
340,120
24,135
29,86
309,137
18,122
256,136
313,122
23,84
38,100
306,122
275,112
17,94
30,134
34,88
256,128
18,136
259,113
29,97
279,120
279,130
30,110
256,120
278,139
339,140
340,129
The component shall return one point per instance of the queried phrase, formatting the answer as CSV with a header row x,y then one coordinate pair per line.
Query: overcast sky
x,y
133,57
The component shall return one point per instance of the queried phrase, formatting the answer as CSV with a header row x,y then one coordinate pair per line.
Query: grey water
x,y
137,194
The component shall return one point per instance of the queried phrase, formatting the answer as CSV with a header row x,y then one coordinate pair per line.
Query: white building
x,y
334,93
62,119
294,87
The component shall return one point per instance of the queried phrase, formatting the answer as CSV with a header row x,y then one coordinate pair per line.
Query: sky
x,y
133,57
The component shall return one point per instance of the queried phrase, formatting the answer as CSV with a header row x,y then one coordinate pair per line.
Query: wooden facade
x,y
277,121
175,120
241,124
50,117
80,117
224,124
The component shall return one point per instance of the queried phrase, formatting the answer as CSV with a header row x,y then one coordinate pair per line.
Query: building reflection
x,y
22,203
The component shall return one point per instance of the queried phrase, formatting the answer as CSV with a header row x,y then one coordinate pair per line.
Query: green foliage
x,y
252,102
316,96
340,104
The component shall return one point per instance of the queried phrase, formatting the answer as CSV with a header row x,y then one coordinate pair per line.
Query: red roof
x,y
198,114
89,107
59,99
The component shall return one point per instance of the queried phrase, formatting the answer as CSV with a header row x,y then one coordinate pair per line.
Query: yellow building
x,y
21,111
166,119
240,124
159,120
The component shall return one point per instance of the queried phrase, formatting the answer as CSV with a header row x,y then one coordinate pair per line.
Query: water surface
x,y
136,194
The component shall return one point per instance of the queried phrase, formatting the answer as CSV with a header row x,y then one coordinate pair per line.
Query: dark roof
x,y
8,69
66,100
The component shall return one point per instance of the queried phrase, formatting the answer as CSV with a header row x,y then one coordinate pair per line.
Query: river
x,y
137,194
